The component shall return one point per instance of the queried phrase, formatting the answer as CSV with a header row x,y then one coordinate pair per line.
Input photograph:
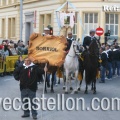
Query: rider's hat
x,y
92,30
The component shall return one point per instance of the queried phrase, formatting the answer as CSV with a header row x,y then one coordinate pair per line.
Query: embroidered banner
x,y
47,49
67,19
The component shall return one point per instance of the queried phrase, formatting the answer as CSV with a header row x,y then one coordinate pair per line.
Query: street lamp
x,y
21,18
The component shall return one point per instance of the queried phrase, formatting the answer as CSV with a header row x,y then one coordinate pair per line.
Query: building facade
x,y
38,14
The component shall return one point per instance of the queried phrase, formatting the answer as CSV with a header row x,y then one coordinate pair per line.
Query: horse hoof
x,y
52,91
71,88
63,88
91,88
94,92
66,92
58,82
78,89
76,92
86,92
48,85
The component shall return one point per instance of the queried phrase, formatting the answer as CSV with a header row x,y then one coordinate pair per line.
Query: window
x,y
0,2
14,1
9,2
4,2
74,31
3,26
11,27
112,25
42,23
45,20
90,22
48,19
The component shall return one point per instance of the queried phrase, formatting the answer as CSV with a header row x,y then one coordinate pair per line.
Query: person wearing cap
x,y
46,31
88,39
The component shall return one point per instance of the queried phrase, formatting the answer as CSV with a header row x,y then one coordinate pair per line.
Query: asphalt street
x,y
111,89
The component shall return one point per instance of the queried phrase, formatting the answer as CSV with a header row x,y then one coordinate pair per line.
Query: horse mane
x,y
93,48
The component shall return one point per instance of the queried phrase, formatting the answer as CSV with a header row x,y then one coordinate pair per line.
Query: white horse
x,y
71,65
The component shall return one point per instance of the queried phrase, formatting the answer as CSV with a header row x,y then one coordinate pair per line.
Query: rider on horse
x,y
88,39
70,39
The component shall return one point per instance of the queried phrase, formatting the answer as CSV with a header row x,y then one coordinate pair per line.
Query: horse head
x,y
76,47
93,48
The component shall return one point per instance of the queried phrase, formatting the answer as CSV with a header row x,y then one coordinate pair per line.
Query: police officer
x,y
88,39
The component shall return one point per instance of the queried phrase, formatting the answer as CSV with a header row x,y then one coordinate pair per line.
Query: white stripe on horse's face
x,y
76,46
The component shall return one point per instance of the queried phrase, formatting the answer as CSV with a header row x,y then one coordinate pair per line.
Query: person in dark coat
x,y
107,35
104,63
19,62
116,60
27,75
69,41
110,60
88,39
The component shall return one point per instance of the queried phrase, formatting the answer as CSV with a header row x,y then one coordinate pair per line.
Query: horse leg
x,y
53,75
76,81
86,89
45,84
94,88
48,80
66,83
86,79
80,85
59,81
71,88
82,72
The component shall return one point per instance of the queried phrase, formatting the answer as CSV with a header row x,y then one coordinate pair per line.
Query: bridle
x,y
76,52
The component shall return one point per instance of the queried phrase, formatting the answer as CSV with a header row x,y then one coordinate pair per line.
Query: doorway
x,y
28,31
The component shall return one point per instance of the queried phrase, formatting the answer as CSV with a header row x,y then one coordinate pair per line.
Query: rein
x,y
74,51
71,56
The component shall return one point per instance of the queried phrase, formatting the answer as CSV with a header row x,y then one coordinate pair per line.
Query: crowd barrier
x,y
8,65
2,65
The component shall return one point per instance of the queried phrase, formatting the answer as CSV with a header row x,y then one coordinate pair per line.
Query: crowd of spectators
x,y
11,48
110,65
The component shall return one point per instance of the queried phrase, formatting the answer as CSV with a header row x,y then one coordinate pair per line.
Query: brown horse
x,y
51,70
91,65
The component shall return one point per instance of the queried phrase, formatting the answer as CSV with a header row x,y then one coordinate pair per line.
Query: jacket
x,y
28,76
116,55
104,59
